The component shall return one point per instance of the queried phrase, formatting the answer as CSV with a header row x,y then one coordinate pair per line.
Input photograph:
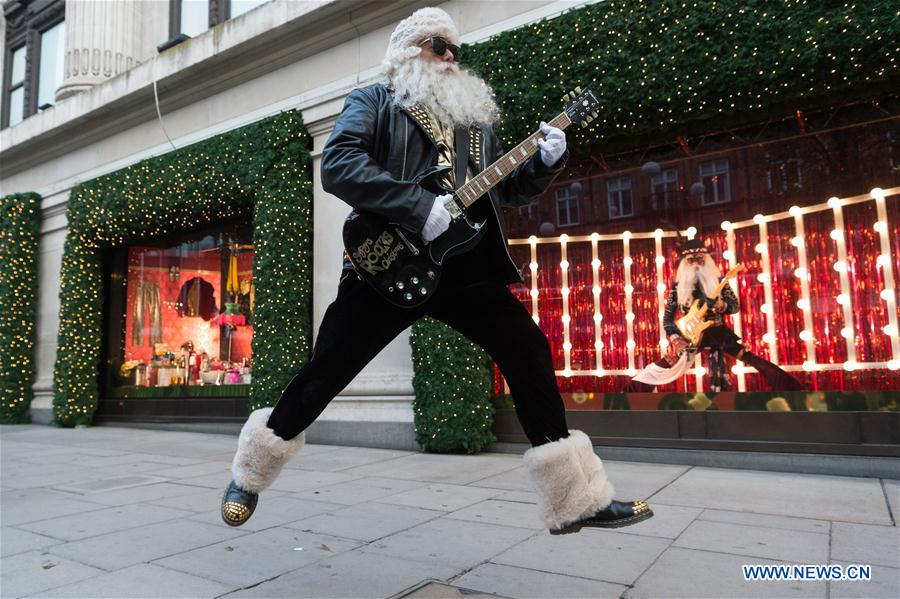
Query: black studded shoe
x,y
237,505
615,515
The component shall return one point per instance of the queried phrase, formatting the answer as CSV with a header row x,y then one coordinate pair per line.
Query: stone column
x,y
102,40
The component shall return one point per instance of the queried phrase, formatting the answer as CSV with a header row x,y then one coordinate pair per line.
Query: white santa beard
x,y
688,275
456,97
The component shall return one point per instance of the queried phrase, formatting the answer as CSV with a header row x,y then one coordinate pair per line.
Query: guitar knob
x,y
399,284
391,289
414,280
407,296
423,291
430,274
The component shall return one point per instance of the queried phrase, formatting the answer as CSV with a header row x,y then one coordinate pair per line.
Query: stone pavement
x,y
121,512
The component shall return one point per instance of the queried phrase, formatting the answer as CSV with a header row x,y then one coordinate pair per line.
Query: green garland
x,y
452,382
20,220
668,68
262,168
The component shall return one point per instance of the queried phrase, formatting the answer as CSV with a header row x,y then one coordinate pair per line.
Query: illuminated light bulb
x,y
629,316
768,338
629,289
626,235
806,335
595,236
664,343
763,277
691,231
598,345
795,211
759,219
846,332
595,290
890,330
883,260
893,364
728,255
567,373
595,262
661,287
660,260
800,273
834,202
563,238
880,227
564,265
842,299
877,193
533,266
566,318
760,248
600,372
630,344
565,290
534,293
737,369
765,309
836,235
803,304
701,370
840,266
631,371
809,366
598,317
536,318
850,365
796,241
532,240
658,233
726,225
567,346
886,294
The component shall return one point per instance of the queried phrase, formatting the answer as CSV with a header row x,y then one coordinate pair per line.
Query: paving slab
x,y
366,522
125,548
351,574
13,540
343,458
451,542
692,574
447,498
36,571
804,495
791,546
21,506
302,480
885,584
143,493
141,581
100,522
451,469
189,471
597,554
270,511
865,544
639,480
440,590
532,584
257,557
512,480
668,521
360,490
892,492
503,513
782,522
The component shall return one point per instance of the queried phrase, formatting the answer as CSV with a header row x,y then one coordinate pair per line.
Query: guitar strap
x,y
462,155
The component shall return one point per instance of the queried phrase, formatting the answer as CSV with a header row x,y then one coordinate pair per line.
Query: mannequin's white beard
x,y
689,275
456,97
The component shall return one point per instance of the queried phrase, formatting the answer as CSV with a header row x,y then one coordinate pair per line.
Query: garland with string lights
x,y
664,69
20,219
261,170
452,409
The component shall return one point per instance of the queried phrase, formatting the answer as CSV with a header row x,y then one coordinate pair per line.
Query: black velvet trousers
x,y
359,324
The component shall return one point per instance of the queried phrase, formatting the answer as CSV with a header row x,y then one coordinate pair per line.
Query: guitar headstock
x,y
735,270
581,106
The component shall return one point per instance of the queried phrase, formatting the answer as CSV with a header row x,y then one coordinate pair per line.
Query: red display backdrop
x,y
818,297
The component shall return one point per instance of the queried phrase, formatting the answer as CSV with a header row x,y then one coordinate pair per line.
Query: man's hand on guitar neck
x,y
553,146
438,219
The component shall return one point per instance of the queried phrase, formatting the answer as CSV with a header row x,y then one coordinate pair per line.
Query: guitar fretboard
x,y
506,164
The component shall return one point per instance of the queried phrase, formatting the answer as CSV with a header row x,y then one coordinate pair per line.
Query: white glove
x,y
553,146
438,219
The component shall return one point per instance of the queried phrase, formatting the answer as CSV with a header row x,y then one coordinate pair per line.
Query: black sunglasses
x,y
439,45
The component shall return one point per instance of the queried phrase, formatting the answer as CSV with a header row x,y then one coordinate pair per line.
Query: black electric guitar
x,y
405,269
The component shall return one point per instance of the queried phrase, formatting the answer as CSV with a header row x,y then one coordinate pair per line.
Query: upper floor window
x,y
529,211
785,175
714,175
193,17
618,194
664,188
566,206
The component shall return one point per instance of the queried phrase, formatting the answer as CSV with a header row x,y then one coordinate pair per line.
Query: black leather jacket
x,y
378,148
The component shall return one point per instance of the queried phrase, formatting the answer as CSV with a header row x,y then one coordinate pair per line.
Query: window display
x,y
188,313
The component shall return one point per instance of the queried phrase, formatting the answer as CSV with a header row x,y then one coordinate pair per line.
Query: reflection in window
x,y
566,206
53,53
194,17
714,175
17,87
239,7
665,189
618,193
188,313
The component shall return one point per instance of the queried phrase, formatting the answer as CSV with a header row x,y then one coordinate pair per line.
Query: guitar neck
x,y
501,168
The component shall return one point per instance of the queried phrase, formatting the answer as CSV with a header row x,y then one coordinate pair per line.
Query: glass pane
x,y
53,51
188,313
194,16
16,106
239,7
18,66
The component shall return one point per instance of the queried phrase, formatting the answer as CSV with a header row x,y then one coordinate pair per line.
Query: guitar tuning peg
x,y
567,97
583,123
577,90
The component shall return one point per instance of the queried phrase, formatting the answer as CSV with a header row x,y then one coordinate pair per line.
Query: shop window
x,y
193,17
188,314
618,193
716,182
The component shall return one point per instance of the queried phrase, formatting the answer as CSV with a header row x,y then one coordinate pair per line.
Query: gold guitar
x,y
693,324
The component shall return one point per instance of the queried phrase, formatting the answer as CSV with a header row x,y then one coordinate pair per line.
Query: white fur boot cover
x,y
569,478
261,453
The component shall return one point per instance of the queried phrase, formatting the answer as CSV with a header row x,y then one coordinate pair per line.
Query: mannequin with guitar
x,y
419,162
704,296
